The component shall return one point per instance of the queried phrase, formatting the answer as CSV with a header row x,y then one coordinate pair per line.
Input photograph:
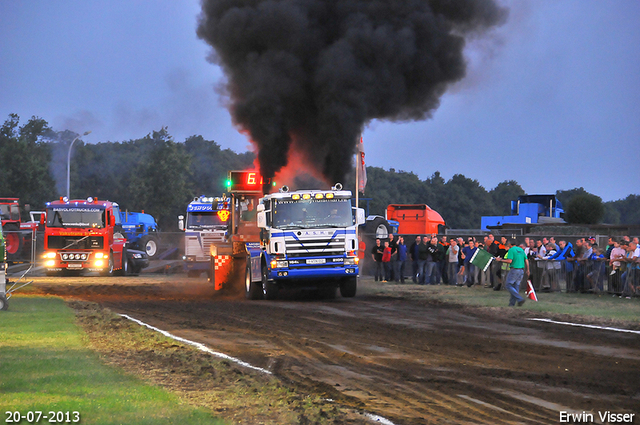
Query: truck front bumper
x,y
313,273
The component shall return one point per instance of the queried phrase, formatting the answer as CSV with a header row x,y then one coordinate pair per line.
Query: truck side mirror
x,y
43,218
112,220
262,219
181,222
360,218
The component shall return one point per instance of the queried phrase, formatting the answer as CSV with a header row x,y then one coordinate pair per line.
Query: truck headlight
x,y
100,255
282,264
50,255
50,263
351,261
99,263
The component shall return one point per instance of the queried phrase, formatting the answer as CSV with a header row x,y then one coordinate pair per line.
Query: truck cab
x,y
84,235
206,223
308,239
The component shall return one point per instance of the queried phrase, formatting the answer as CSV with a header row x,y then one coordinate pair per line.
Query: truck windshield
x,y
75,217
205,220
312,213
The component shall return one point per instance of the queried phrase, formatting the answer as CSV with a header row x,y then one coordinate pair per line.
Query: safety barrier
x,y
594,276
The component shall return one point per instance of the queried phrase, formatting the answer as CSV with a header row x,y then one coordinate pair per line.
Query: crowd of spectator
x,y
578,266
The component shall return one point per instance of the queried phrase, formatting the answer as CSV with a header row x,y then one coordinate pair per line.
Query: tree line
x,y
161,176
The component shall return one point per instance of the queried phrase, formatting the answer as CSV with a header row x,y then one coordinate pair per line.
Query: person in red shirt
x,y
386,261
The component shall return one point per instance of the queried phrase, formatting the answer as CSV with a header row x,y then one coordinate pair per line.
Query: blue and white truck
x,y
299,239
205,224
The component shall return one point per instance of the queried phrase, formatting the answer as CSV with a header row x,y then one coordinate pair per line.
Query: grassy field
x,y
45,366
80,357
580,307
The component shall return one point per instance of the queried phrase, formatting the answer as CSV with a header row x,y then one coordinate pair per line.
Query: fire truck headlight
x,y
50,263
282,264
50,255
99,255
65,256
99,263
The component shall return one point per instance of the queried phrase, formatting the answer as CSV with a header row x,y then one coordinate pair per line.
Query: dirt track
x,y
410,362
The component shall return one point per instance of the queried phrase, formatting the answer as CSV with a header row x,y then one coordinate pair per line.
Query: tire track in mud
x,y
409,362
373,380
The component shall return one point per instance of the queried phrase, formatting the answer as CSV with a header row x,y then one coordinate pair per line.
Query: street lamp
x,y
69,161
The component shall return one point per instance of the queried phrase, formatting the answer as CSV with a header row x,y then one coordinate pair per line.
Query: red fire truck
x,y
84,235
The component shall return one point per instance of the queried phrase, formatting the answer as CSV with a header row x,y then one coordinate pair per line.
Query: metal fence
x,y
594,276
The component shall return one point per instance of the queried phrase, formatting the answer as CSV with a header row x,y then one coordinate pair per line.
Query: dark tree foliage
x,y
210,164
626,211
154,174
26,157
160,176
503,194
565,196
584,209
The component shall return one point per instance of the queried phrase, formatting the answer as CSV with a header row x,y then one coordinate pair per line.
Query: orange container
x,y
414,219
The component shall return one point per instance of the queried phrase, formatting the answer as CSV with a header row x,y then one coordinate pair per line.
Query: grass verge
x,y
46,366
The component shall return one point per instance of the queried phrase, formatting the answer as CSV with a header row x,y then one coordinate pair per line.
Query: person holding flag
x,y
519,264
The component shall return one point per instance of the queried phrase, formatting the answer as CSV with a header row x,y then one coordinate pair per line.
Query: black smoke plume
x,y
311,73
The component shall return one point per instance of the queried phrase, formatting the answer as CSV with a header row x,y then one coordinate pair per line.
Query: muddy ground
x,y
411,362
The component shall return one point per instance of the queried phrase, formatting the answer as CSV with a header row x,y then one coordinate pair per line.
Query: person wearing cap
x,y
517,259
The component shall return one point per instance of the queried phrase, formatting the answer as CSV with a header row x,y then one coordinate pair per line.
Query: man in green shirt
x,y
519,263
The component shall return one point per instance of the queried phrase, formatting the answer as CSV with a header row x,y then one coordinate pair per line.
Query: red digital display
x,y
246,181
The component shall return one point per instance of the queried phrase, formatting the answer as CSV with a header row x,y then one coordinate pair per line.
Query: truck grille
x,y
75,242
314,247
199,245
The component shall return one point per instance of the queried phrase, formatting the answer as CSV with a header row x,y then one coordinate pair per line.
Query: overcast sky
x,y
552,98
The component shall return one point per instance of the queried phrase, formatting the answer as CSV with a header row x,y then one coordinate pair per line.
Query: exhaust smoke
x,y
308,75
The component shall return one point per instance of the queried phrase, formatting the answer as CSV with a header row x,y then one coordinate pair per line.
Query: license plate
x,y
74,266
317,261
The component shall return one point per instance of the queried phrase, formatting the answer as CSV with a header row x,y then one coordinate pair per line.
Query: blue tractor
x,y
141,231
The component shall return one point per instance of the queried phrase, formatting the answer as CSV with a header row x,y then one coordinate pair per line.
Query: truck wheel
x,y
348,287
377,228
269,287
149,244
3,303
12,240
109,270
251,289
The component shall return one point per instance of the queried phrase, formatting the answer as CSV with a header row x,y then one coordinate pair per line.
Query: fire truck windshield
x,y
312,213
205,220
66,216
